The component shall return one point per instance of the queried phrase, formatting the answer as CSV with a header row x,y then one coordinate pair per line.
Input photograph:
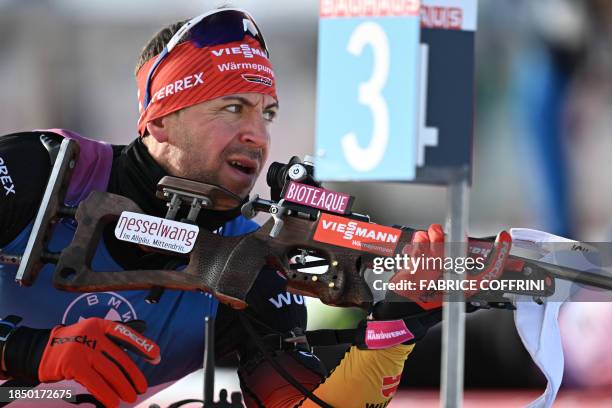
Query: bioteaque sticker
x,y
156,232
362,236
320,198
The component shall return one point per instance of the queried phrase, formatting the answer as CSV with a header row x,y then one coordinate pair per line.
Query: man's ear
x,y
158,129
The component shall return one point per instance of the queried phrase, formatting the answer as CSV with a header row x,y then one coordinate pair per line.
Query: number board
x,y
446,96
367,90
445,119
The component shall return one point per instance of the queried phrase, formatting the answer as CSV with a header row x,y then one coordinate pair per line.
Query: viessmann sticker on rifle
x,y
362,236
156,232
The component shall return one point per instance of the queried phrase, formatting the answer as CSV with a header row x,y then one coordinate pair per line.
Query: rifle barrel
x,y
583,277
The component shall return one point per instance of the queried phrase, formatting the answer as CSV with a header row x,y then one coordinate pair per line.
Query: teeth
x,y
240,166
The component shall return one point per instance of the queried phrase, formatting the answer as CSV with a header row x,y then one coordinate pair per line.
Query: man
x,y
207,96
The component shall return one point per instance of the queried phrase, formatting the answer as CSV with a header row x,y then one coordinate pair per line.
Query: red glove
x,y
90,352
430,246
425,244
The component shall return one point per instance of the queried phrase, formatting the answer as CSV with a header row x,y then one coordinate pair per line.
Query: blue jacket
x,y
176,323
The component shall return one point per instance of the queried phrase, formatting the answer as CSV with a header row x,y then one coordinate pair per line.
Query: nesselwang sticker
x,y
156,232
362,236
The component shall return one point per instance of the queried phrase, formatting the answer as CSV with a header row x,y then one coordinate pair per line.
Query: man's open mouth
x,y
243,166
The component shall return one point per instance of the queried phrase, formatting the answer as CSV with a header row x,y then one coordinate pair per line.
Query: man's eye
x,y
269,115
233,108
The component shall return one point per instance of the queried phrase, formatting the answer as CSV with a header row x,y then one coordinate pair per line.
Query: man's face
x,y
224,141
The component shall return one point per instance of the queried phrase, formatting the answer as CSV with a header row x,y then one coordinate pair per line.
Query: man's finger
x,y
116,378
419,244
94,383
133,341
139,325
129,368
435,233
420,237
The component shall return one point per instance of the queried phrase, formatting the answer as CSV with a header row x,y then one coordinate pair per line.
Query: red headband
x,y
190,75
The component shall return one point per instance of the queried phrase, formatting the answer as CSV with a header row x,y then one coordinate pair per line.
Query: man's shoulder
x,y
87,146
52,135
93,166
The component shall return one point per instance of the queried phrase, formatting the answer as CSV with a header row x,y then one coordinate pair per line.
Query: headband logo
x,y
178,86
257,79
244,49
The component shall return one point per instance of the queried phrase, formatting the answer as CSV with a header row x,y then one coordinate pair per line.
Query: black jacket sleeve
x,y
25,165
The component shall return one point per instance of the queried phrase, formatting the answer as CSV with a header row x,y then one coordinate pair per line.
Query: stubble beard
x,y
193,167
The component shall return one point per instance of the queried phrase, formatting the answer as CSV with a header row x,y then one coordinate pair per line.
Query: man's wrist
x,y
23,353
8,325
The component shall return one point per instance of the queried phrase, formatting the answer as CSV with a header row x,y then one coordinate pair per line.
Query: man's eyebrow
x,y
248,102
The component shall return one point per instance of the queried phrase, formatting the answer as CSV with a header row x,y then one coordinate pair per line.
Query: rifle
x,y
310,228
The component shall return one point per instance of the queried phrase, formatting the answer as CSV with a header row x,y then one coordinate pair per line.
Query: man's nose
x,y
254,131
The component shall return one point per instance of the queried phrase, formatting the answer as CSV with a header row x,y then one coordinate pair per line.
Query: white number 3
x,y
365,159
